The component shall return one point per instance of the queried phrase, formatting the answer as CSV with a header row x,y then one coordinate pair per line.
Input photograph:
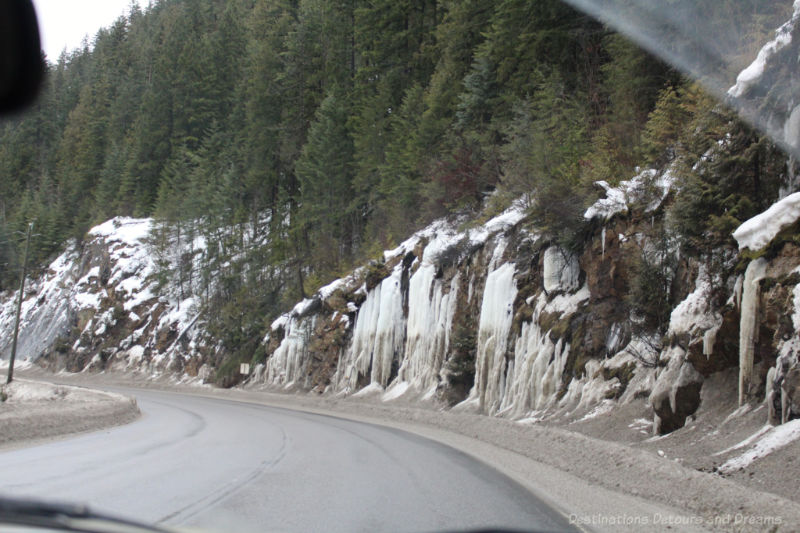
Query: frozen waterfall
x,y
378,336
289,362
430,319
534,375
749,324
496,316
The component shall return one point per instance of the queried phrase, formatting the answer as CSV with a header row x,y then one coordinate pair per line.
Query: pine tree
x,y
324,171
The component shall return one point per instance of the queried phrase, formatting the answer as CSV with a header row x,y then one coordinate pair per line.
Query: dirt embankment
x,y
35,410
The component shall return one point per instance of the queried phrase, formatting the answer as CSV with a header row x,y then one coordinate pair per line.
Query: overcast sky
x,y
64,23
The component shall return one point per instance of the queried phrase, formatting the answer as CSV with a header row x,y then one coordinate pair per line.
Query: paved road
x,y
231,466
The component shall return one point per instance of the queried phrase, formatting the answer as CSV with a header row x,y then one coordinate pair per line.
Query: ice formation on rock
x,y
561,270
430,319
378,336
534,375
695,315
749,324
288,363
494,326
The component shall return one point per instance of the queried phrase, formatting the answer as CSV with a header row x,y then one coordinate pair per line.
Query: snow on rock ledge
x,y
760,230
754,71
649,187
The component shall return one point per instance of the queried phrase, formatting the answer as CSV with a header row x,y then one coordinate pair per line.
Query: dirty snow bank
x,y
36,410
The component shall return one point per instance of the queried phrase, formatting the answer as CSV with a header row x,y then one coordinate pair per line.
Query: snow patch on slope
x,y
647,186
443,234
774,439
47,310
112,280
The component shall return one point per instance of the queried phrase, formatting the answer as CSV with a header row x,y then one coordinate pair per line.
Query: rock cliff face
x,y
492,318
498,320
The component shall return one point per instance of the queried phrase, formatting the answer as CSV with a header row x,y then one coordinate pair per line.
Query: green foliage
x,y
728,173
460,365
628,89
324,172
547,140
650,293
665,124
374,274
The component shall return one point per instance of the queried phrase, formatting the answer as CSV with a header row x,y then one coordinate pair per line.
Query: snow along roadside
x,y
35,410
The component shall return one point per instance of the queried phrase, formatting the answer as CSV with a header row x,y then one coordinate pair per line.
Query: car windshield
x,y
307,265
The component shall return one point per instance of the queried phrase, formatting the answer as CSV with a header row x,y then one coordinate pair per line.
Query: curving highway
x,y
222,465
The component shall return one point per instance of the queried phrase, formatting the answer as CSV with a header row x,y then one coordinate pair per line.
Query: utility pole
x,y
19,306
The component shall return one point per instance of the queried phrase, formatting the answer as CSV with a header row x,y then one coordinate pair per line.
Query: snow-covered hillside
x,y
100,307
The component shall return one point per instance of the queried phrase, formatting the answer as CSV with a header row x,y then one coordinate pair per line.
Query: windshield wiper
x,y
64,517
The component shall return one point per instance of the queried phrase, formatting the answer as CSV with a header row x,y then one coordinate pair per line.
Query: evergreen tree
x,y
324,171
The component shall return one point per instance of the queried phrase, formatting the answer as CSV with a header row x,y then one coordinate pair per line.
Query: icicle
x,y
358,357
494,325
613,339
430,317
603,239
388,335
539,364
497,254
748,324
737,292
709,338
289,361
377,336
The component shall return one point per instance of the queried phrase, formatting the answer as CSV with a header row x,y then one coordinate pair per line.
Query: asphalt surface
x,y
223,465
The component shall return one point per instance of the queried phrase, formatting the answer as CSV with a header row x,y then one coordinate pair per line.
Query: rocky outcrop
x,y
499,320
494,319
